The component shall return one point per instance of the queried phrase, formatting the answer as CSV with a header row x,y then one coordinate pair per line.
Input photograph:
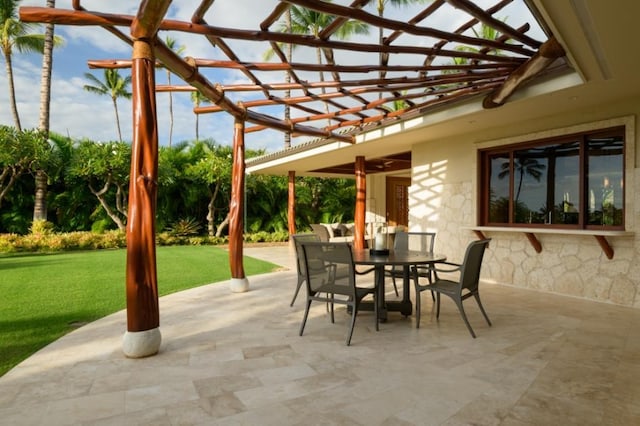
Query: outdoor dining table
x,y
406,259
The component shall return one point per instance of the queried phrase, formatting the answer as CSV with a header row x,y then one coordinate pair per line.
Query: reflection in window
x,y
499,190
576,182
606,182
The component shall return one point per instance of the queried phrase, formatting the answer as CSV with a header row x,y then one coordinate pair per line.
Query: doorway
x,y
397,196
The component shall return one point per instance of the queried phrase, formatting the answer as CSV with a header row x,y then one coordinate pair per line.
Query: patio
x,y
230,358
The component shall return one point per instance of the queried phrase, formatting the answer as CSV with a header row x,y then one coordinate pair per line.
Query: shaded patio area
x,y
230,359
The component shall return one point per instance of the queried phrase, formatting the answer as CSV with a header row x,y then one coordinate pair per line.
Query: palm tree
x,y
309,22
300,20
114,85
523,166
171,44
15,34
198,98
380,7
41,178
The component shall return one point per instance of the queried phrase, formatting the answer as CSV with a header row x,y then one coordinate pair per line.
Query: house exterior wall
x,y
443,199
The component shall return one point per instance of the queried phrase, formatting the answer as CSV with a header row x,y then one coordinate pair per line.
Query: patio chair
x,y
460,290
300,266
418,241
324,285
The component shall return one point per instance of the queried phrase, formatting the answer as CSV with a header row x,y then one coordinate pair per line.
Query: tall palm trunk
x,y
115,107
40,200
287,79
170,108
12,90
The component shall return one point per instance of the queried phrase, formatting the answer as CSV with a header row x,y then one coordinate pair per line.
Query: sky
x,y
80,114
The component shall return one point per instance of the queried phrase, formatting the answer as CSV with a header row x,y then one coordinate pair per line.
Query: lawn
x,y
44,296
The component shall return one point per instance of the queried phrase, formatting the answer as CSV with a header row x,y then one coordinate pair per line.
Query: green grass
x,y
44,296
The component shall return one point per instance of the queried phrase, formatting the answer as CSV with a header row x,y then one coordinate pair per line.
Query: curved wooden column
x,y
143,318
291,204
361,199
239,282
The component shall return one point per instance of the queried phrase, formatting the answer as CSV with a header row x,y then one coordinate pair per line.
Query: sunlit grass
x,y
44,296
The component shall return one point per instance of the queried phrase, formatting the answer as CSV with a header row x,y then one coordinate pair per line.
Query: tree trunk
x,y
41,180
287,79
12,91
40,202
115,107
222,226
103,202
170,109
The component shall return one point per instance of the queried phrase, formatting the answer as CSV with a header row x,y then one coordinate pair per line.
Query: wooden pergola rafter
x,y
422,62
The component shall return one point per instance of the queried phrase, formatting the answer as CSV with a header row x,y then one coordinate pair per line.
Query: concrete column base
x,y
239,285
140,344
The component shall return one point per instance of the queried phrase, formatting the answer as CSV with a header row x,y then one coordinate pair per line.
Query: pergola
x,y
407,68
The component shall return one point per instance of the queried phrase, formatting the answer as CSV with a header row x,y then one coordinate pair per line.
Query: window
x,y
573,181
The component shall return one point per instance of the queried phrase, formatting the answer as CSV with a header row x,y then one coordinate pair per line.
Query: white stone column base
x,y
139,344
239,285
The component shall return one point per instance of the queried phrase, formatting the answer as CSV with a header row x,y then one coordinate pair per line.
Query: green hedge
x,y
48,242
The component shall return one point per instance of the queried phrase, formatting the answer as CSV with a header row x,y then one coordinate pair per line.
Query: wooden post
x,y
143,318
291,205
239,282
361,198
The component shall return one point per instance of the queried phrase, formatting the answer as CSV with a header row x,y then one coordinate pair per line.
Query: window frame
x,y
484,156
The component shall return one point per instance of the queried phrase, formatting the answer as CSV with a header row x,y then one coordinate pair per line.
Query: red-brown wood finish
x,y
236,208
291,203
141,276
361,198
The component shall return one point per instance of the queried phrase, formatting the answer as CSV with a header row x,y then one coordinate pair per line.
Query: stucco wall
x,y
443,199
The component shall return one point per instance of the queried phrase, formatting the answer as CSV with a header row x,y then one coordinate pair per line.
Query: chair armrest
x,y
454,267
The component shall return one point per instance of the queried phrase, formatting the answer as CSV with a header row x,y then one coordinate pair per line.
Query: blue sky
x,y
81,114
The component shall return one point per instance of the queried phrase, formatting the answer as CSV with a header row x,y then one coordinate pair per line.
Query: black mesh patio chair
x,y
300,266
465,287
325,284
418,241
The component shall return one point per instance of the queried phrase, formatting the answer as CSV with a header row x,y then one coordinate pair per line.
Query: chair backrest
x,y
418,241
470,269
321,231
298,239
322,259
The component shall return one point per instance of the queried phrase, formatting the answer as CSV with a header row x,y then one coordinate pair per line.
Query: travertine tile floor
x,y
237,359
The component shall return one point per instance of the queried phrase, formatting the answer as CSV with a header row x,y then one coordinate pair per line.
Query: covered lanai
x,y
331,92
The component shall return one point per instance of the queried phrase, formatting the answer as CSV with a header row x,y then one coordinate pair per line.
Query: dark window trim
x,y
484,178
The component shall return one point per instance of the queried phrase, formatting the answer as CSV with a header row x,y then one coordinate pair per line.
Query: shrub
x,y
41,226
184,227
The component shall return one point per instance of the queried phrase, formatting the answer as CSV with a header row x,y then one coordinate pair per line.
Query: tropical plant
x,y
198,98
212,171
380,8
15,34
171,44
104,167
114,85
20,152
523,166
310,22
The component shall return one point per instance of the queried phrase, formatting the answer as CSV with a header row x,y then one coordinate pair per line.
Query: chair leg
x,y
332,316
296,293
418,306
375,310
437,305
304,318
395,286
464,317
477,296
354,311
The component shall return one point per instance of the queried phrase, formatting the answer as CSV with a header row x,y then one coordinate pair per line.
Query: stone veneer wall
x,y
569,265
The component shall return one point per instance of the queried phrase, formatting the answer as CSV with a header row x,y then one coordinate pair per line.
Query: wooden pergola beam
x,y
550,51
